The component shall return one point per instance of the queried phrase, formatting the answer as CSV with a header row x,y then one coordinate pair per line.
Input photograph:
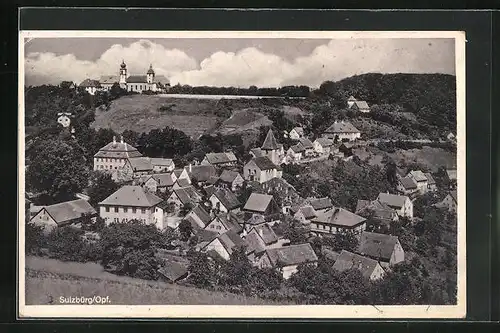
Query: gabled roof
x,y
324,142
231,240
298,148
172,270
205,235
452,174
178,172
321,203
118,150
361,205
257,152
430,179
362,105
298,130
339,217
270,142
220,158
201,173
163,179
255,220
258,202
230,221
157,161
348,260
65,212
453,195
137,79
292,255
392,200
308,211
228,176
212,180
342,127
352,99
187,194
306,143
202,214
255,244
266,233
182,182
418,175
90,83
227,198
264,163
131,196
140,163
408,183
109,79
379,209
377,245
277,183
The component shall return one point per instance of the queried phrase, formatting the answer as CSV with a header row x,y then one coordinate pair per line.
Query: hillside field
x,y
48,279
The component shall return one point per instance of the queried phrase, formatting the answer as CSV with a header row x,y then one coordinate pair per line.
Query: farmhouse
x,y
200,173
287,194
114,155
296,133
226,159
157,182
230,179
132,203
337,220
431,183
295,152
308,147
305,214
369,268
401,203
224,200
91,86
450,202
407,186
320,204
342,131
420,179
137,166
224,222
184,196
171,271
323,146
288,258
225,244
180,183
262,205
354,104
261,169
386,249
162,164
376,210
62,214
200,216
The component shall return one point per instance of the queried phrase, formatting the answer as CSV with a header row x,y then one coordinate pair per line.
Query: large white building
x,y
114,156
135,83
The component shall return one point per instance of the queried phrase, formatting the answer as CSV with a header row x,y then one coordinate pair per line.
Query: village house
x,y
450,202
320,204
322,146
295,153
420,179
63,214
286,193
296,133
376,210
199,216
400,203
224,244
262,205
200,173
305,214
308,147
386,249
224,222
114,155
132,203
431,183
180,183
261,169
162,182
227,159
184,196
369,268
224,200
337,220
354,104
137,166
452,175
162,165
342,131
91,86
271,149
288,258
182,174
231,180
407,186
171,271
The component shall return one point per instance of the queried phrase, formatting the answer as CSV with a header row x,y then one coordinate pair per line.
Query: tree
x,y
200,271
294,231
344,240
57,168
67,244
238,269
185,230
102,186
34,239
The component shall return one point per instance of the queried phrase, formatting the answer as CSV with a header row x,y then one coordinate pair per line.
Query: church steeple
x,y
270,147
123,73
150,75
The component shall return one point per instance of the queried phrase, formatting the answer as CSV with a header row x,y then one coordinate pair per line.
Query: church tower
x,y
150,75
270,147
123,74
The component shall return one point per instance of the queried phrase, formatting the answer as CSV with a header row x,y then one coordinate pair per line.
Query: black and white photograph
x,y
242,174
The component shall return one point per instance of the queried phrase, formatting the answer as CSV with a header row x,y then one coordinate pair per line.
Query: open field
x,y
216,97
48,279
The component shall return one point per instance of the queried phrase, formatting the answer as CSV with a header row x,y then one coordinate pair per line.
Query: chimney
x,y
190,167
114,139
121,138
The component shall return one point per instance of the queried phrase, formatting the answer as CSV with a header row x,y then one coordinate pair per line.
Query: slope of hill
x,y
242,121
48,279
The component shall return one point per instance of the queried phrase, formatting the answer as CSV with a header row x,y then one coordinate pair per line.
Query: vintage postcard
x,y
237,174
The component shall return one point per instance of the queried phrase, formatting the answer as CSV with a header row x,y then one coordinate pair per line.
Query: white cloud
x,y
338,59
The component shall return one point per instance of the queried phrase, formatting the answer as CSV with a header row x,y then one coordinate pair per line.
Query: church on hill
x,y
134,83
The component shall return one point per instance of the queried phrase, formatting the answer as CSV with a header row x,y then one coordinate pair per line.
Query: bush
x,y
67,244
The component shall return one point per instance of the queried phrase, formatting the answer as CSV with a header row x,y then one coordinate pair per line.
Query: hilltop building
x,y
114,155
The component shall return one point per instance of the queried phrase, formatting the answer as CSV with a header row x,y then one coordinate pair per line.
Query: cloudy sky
x,y
234,62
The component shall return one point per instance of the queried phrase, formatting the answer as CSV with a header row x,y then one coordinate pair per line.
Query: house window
x,y
143,210
125,209
116,209
134,210
107,209
219,227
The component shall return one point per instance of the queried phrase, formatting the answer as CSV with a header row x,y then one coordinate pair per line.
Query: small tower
x,y
150,74
270,147
123,74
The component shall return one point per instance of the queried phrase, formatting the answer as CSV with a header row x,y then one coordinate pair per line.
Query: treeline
x,y
286,91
